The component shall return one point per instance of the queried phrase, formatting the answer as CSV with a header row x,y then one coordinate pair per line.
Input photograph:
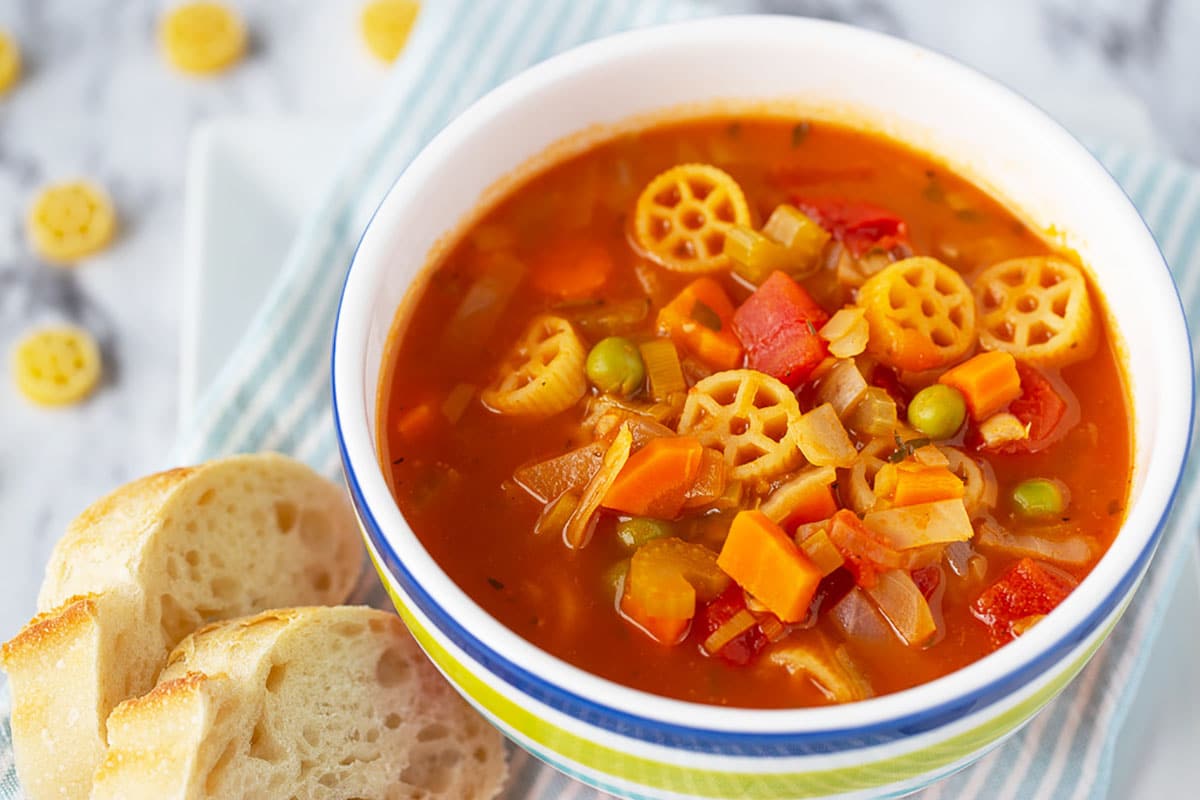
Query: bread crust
x,y
311,703
144,566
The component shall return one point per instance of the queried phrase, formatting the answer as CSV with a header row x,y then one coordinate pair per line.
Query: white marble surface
x,y
98,101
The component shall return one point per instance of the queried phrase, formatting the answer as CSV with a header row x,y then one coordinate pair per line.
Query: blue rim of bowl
x,y
738,743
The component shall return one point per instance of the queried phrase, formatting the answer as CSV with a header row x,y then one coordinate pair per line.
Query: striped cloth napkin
x,y
274,392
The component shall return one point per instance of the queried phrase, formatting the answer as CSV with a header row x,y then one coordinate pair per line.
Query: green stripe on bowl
x,y
714,783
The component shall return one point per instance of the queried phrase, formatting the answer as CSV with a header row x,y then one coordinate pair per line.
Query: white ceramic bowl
x,y
638,745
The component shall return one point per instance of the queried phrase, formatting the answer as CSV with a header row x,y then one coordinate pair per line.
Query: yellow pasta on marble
x,y
56,366
203,38
70,220
683,214
544,372
10,62
1038,309
385,26
749,417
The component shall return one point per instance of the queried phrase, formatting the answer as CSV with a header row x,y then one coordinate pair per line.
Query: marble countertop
x,y
98,101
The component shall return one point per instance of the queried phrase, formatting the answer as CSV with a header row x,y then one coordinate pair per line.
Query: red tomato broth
x,y
454,482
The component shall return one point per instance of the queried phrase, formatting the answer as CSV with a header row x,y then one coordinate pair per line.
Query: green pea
x,y
615,366
635,532
1039,497
937,411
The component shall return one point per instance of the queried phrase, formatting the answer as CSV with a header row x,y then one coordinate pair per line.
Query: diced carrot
x,y
665,630
416,421
988,381
766,562
571,267
806,498
656,479
1028,588
916,483
699,320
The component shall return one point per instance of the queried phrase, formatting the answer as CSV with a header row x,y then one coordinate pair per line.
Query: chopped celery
x,y
754,256
796,232
662,367
636,531
875,414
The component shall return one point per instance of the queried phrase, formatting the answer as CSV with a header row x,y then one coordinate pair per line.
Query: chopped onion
x,y
710,480
843,387
456,402
829,668
579,527
1070,549
555,515
480,309
1001,429
782,502
922,524
549,479
847,332
823,438
858,619
903,605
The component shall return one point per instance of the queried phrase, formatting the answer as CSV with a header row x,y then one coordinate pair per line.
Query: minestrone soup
x,y
760,413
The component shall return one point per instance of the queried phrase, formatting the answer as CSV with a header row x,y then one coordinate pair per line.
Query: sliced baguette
x,y
305,703
147,565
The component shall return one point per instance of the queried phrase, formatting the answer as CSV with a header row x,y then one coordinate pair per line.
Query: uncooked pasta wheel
x,y
544,373
749,417
69,221
1038,309
682,217
921,314
57,366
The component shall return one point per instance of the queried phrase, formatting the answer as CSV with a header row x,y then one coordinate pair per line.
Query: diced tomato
x,y
778,326
884,377
743,648
1039,406
858,225
1029,588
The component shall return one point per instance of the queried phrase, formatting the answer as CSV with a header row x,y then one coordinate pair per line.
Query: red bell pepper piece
x,y
1039,406
778,327
856,224
744,647
1029,588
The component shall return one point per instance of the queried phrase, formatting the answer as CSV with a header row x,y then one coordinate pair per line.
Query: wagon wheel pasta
x,y
683,214
543,374
748,416
979,482
1038,309
921,314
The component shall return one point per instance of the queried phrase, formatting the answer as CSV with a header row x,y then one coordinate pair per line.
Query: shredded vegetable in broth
x,y
759,412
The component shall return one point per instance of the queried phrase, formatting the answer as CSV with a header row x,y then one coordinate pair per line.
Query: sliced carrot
x,y
766,562
700,319
920,484
416,421
806,498
656,479
665,630
571,267
988,381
